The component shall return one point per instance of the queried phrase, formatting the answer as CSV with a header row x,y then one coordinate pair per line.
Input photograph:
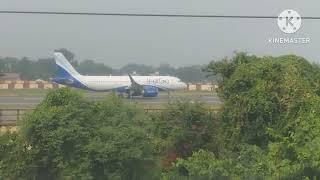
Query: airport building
x,y
9,76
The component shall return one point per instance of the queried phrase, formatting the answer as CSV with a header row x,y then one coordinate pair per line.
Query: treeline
x,y
45,68
268,128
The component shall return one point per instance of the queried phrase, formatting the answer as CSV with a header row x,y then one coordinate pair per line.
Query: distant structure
x,y
9,76
18,84
201,87
39,80
155,74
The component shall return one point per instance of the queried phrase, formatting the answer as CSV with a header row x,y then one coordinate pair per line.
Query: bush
x,y
70,138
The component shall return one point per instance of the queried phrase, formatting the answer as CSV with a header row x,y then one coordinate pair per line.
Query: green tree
x,y
270,121
24,66
15,157
183,128
70,138
270,103
191,74
89,67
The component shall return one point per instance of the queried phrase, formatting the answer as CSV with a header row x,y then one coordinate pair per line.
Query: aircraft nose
x,y
184,85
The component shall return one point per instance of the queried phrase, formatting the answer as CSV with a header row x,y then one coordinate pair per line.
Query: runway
x,y
29,101
12,108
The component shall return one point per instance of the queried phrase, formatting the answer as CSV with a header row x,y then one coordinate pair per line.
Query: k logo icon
x,y
289,21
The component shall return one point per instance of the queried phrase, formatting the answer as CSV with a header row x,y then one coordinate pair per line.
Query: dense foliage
x,y
270,118
68,137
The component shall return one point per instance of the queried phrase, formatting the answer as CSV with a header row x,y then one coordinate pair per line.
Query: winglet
x,y
134,85
133,82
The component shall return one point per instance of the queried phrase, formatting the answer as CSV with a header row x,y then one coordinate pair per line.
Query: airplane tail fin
x,y
65,69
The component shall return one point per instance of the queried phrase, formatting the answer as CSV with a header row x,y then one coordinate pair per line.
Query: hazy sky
x,y
153,40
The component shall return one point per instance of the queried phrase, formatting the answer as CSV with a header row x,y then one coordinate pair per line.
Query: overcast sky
x,y
153,40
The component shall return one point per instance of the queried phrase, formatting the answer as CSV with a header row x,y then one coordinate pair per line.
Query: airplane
x,y
145,86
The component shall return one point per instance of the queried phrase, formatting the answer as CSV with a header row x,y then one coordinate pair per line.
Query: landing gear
x,y
130,95
120,95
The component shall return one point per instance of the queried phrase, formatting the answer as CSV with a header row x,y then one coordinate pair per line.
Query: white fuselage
x,y
67,75
105,83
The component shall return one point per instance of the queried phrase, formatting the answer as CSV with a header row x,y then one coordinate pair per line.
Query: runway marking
x,y
33,98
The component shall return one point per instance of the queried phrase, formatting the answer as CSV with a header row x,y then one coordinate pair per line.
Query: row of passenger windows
x,y
151,82
106,81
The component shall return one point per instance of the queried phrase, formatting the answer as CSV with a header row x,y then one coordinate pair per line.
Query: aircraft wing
x,y
135,87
